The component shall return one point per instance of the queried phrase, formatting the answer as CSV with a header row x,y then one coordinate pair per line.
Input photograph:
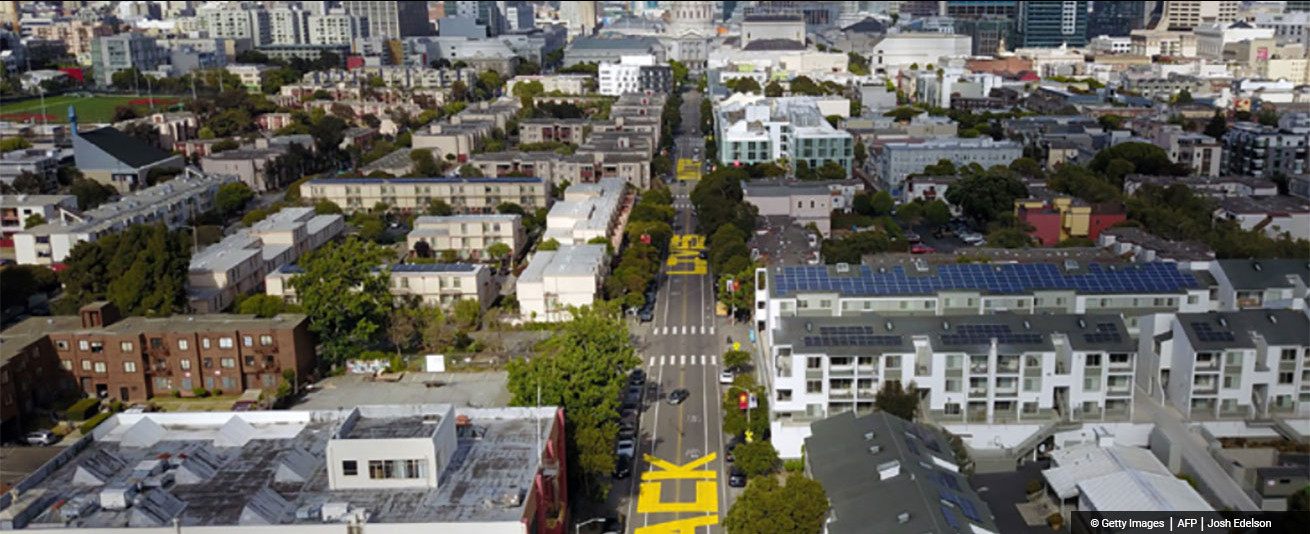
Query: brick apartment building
x,y
135,358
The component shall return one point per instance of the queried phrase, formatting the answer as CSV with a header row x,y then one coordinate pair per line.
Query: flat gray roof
x,y
873,334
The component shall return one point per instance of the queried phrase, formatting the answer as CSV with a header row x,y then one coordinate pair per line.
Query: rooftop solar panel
x,y
1206,333
976,334
950,517
1158,277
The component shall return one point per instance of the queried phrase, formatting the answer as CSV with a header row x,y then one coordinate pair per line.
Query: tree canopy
x,y
143,270
984,197
768,507
346,297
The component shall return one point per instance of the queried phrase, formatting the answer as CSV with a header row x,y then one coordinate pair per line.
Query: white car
x,y
726,376
626,447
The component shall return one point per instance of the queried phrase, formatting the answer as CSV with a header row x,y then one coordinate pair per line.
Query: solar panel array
x,y
852,340
950,517
981,334
1105,333
1206,333
964,505
1157,277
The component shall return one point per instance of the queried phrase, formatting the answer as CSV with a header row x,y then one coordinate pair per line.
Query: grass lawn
x,y
196,404
90,109
845,221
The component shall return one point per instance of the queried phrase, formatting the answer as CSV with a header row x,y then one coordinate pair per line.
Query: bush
x,y
1033,486
83,409
216,392
177,394
1055,521
794,466
93,422
116,406
200,392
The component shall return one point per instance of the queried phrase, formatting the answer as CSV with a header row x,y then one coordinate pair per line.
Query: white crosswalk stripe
x,y
702,359
711,330
661,361
714,360
684,330
682,360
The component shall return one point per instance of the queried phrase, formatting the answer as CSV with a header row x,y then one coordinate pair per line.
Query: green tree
x,y
1218,125
499,251
91,193
33,220
772,90
1145,157
986,196
27,183
346,297
660,165
582,368
768,507
746,85
326,207
937,212
1009,238
265,306
467,313
1111,122
1028,167
861,153
757,458
895,400
943,167
1267,116
549,244
910,213
10,144
439,207
19,282
468,170
882,204
831,170
1299,501
903,113
233,197
143,270
1183,97
737,359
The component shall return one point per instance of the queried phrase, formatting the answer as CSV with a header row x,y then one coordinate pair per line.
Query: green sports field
x,y
90,109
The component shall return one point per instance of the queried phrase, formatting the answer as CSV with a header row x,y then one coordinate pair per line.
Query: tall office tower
x,y
1187,15
979,8
518,16
484,13
919,8
336,27
288,26
580,16
392,20
1049,24
1118,19
987,33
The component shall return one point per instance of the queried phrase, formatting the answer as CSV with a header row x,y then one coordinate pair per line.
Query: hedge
x,y
93,422
80,410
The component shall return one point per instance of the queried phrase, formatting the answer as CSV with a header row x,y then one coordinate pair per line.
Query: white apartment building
x,y
173,203
432,284
287,26
233,21
1187,15
335,28
555,280
237,264
16,209
468,235
1241,364
898,160
633,74
966,369
1256,284
1289,28
915,288
758,129
588,211
465,195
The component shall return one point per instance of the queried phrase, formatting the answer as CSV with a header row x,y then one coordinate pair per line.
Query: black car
x,y
732,443
737,478
677,396
646,314
704,255
622,467
637,377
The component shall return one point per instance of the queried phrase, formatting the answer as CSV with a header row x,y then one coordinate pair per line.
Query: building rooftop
x,y
1013,334
1262,274
430,220
243,469
14,201
135,206
1238,329
885,474
1120,478
432,180
1272,205
1164,248
125,148
12,338
1019,278
599,43
569,260
437,268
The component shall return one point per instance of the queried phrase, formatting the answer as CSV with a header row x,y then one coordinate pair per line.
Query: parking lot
x,y
463,389
781,242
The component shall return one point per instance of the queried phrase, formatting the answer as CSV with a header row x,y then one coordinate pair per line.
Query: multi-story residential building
x,y
132,359
432,284
1252,149
1289,28
804,203
76,35
896,161
468,235
173,203
1199,152
588,165
1224,186
885,474
336,28
611,50
15,210
1187,15
569,84
173,126
465,195
580,17
571,131
966,369
1118,19
434,467
251,76
557,279
1237,364
757,129
634,74
915,288
113,53
588,211
1257,284
1275,216
237,264
232,21
1055,218
42,163
391,20
287,26
1051,23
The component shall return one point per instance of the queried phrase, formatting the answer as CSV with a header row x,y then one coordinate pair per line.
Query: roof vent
x,y
868,436
903,518
1027,325
875,449
946,325
1223,321
843,267
1256,265
1273,318
1082,323
889,326
809,326
888,470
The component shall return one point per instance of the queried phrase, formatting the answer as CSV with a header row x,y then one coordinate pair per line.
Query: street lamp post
x,y
577,529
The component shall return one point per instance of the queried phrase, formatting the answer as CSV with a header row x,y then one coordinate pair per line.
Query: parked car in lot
x,y
922,249
726,376
626,447
41,438
677,396
913,237
637,377
646,314
732,443
622,467
737,477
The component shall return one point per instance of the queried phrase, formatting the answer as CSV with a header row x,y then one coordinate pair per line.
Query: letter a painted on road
x,y
681,526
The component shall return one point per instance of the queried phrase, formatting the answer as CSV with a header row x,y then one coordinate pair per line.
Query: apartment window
x,y
229,382
1029,408
86,365
1284,378
224,342
83,345
265,340
229,363
784,395
183,344
125,346
61,344
156,342
269,380
893,362
129,367
97,346
1093,360
204,342
184,364
954,361
814,386
163,383
247,341
250,361
814,362
101,367
381,469
953,385
1032,384
952,408
1288,355
1092,383
67,365
350,468
208,363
